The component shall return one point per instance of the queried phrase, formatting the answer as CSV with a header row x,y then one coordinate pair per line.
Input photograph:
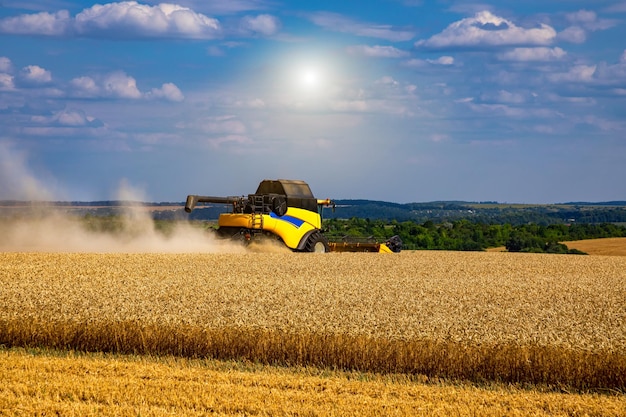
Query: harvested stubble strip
x,y
506,362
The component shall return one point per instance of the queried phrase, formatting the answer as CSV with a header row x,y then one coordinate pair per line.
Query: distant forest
x,y
462,226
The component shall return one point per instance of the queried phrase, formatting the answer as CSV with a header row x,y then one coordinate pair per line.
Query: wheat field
x,y
610,246
516,318
43,382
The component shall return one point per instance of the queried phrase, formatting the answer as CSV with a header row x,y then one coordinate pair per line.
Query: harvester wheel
x,y
317,242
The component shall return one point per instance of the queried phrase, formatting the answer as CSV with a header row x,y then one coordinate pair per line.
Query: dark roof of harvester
x,y
289,188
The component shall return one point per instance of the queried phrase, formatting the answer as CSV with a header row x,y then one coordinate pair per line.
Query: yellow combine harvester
x,y
284,210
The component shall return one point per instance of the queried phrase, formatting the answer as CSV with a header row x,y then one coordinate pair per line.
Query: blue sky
x,y
405,101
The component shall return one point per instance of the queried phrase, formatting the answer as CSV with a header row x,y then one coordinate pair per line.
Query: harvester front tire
x,y
317,243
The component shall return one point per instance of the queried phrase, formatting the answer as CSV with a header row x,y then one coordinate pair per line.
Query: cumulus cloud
x,y
589,20
614,74
339,23
84,87
5,64
533,54
227,124
6,79
34,74
421,63
47,24
442,60
573,34
578,73
486,30
6,82
127,19
67,118
376,51
583,21
264,24
503,96
387,80
118,84
168,91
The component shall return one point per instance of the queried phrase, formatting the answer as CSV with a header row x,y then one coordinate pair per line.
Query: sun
x,y
309,77
306,79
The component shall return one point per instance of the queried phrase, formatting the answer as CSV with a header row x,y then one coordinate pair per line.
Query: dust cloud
x,y
50,230
40,227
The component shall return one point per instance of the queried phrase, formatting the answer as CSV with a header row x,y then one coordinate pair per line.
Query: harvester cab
x,y
282,209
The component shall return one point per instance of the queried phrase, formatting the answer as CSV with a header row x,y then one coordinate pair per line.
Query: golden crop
x,y
42,382
528,318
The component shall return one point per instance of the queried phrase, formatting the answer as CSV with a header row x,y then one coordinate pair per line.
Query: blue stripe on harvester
x,y
290,219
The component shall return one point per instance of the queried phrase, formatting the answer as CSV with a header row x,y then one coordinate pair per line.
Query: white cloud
x,y
533,54
84,87
139,20
6,82
442,60
612,74
35,74
573,34
421,63
168,91
584,21
5,64
578,73
376,51
127,19
43,23
338,23
617,8
227,125
590,21
71,118
216,143
66,118
504,96
487,29
263,24
120,85
387,80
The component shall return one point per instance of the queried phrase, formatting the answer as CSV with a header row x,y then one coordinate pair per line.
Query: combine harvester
x,y
285,210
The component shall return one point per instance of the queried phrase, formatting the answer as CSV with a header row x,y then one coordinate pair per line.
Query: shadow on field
x,y
547,366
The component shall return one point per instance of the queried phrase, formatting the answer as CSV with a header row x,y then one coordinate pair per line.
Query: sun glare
x,y
309,77
306,80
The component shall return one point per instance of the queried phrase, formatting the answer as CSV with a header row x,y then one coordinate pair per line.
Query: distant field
x,y
614,246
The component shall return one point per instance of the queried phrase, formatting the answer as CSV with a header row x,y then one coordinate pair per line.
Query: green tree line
x,y
464,235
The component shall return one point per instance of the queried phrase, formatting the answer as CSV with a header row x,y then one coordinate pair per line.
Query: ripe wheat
x,y
528,318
